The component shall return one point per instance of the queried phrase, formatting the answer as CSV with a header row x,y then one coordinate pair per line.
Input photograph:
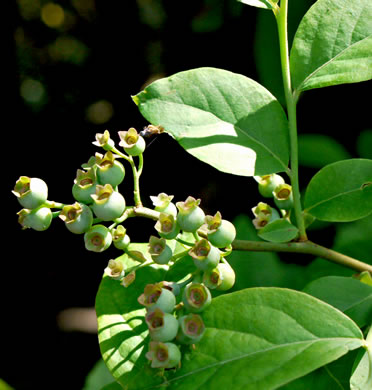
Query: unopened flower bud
x,y
104,140
190,216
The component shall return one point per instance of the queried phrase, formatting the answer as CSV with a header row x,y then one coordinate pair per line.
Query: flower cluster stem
x,y
282,22
307,247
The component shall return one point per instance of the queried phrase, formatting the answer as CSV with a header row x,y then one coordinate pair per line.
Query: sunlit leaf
x,y
362,376
333,45
224,119
259,3
248,334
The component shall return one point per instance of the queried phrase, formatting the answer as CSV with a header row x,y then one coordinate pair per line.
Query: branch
x,y
306,247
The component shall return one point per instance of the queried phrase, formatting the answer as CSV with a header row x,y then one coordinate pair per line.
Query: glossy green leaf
x,y
333,45
279,230
254,332
121,327
335,375
248,334
328,150
224,119
259,3
346,294
362,376
266,46
341,192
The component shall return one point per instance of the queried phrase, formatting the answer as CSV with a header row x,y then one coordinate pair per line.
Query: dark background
x,y
105,52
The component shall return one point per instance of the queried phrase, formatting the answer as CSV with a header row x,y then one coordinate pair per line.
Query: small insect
x,y
151,130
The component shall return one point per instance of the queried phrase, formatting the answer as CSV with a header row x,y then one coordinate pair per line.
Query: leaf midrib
x,y
243,356
236,127
314,72
332,198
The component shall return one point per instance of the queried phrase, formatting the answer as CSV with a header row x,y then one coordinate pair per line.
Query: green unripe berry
x,y
31,192
221,233
84,186
78,217
163,355
162,326
155,296
110,170
190,216
264,214
196,297
172,286
205,255
104,141
160,252
167,226
132,142
163,204
120,238
108,204
283,196
267,184
191,329
221,278
97,239
38,219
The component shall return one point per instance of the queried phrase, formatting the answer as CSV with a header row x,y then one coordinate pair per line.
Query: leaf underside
x,y
224,119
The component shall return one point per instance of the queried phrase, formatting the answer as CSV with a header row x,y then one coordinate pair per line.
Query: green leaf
x,y
224,119
341,192
333,45
262,338
328,150
259,3
121,327
4,385
278,231
346,294
362,376
335,375
249,334
98,377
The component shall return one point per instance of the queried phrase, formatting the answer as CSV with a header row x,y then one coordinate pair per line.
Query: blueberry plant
x,y
166,317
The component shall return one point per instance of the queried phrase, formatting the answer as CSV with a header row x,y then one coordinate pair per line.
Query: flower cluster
x,y
173,308
272,186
